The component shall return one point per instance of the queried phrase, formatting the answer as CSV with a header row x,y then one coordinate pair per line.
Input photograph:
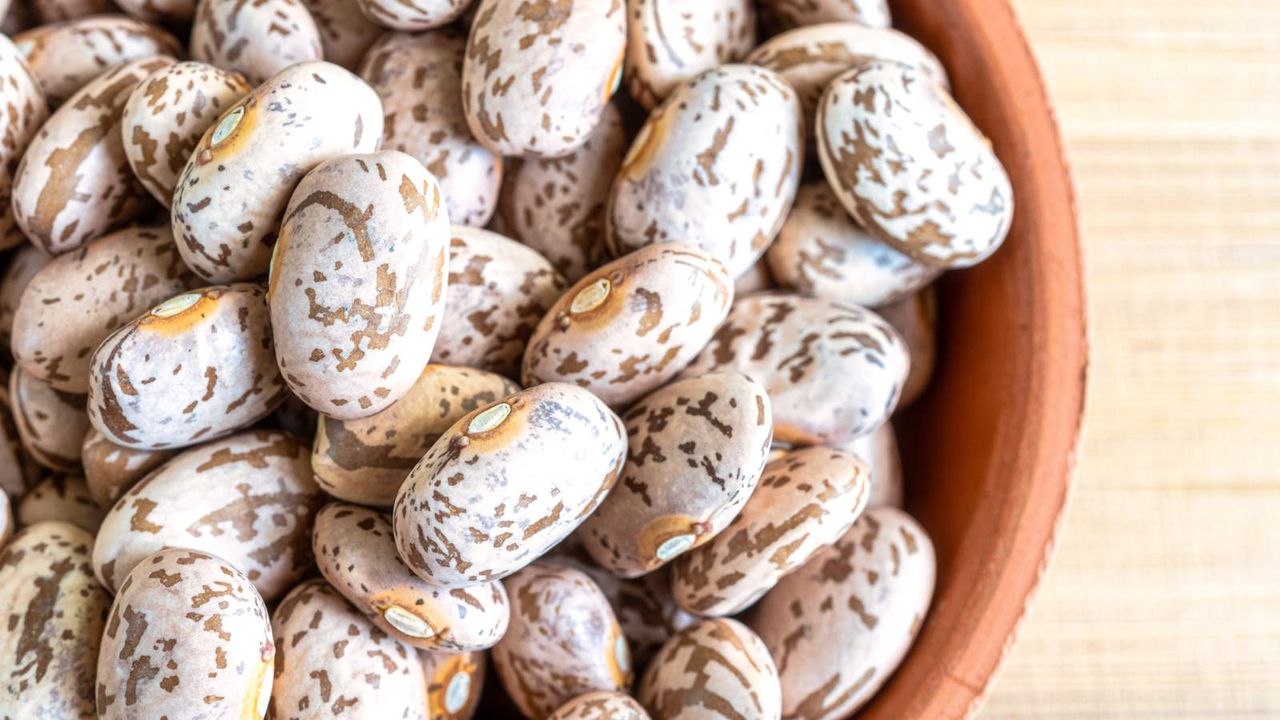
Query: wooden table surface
x,y
1163,600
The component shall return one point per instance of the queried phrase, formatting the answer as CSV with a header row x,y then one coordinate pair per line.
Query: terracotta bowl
x,y
989,451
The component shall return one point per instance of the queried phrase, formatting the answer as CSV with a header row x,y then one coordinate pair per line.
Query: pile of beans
x,y
451,359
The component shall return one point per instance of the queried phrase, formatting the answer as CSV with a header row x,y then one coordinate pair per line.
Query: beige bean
x,y
306,114
250,497
879,452
715,166
366,460
79,298
805,501
531,84
345,33
166,115
51,423
23,265
187,636
563,640
628,327
74,183
506,483
356,552
256,39
65,55
331,662
833,371
24,112
197,367
916,320
55,612
498,291
716,669
696,449
557,205
357,284
841,625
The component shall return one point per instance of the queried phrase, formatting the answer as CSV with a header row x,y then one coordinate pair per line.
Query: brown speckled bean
x,y
366,460
696,450
165,11
188,636
356,552
538,76
51,423
111,469
563,640
784,14
833,371
879,452
840,626
345,32
419,78
55,611
256,39
628,327
23,112
413,14
670,42
79,298
498,291
506,483
557,205
809,58
601,705
60,498
822,251
357,283
715,166
805,501
455,682
17,471
52,11
717,669
22,265
74,182
194,368
306,114
65,56
331,662
166,115
7,520
911,167
250,497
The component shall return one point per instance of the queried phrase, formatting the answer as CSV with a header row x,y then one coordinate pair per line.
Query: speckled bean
x,y
331,662
805,501
356,552
256,39
188,636
696,449
308,113
498,291
833,371
166,115
366,460
345,33
60,498
916,320
879,452
55,611
357,283
23,264
17,471
79,298
537,77
455,682
601,705
74,182
715,166
65,56
563,640
111,469
670,42
250,497
197,367
24,111
506,483
717,669
628,327
784,14
840,626
51,423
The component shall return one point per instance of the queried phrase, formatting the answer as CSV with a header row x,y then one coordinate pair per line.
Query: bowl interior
x,y
989,450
